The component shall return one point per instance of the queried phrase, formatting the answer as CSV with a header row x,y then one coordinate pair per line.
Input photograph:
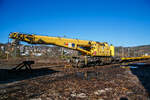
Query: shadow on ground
x,y
142,71
7,75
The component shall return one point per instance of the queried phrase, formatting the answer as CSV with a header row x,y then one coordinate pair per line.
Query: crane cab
x,y
102,49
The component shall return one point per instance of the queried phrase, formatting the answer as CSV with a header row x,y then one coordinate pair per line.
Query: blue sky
x,y
118,22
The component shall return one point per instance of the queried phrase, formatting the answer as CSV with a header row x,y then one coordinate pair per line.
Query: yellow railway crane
x,y
95,52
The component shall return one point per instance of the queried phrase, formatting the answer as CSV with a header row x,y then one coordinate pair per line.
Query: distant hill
x,y
145,48
133,51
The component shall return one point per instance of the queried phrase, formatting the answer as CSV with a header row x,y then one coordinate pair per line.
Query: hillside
x,y
133,51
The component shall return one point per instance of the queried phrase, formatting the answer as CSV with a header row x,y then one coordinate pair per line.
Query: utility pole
x,y
15,43
128,51
134,52
122,52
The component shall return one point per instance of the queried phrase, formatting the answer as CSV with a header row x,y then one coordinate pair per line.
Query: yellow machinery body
x,y
91,48
134,58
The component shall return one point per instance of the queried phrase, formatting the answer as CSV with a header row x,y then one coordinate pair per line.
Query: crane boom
x,y
91,48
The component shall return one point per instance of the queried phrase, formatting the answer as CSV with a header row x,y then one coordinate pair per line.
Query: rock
x,y
130,92
73,94
99,92
81,95
100,99
108,89
49,98
36,99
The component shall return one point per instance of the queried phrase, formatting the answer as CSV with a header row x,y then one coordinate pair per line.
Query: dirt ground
x,y
51,81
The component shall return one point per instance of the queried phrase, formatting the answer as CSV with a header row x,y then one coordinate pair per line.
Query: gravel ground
x,y
108,82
